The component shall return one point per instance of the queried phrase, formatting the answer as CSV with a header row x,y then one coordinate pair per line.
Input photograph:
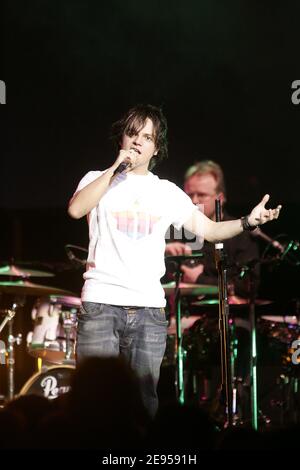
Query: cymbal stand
x,y
9,316
226,366
253,364
250,271
176,310
179,349
68,325
10,349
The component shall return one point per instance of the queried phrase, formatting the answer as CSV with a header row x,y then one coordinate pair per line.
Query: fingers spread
x,y
265,199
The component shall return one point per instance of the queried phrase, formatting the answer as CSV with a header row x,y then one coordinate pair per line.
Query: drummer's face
x,y
202,189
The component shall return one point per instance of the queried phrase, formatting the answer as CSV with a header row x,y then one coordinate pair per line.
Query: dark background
x,y
222,71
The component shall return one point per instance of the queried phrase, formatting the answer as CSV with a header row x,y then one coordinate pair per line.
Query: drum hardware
x,y
9,316
249,271
191,260
288,402
12,340
232,301
54,332
19,289
12,270
175,290
288,255
288,381
68,324
24,287
287,250
186,289
201,344
50,383
79,262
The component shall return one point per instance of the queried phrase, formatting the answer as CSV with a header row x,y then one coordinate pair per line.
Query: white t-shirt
x,y
127,239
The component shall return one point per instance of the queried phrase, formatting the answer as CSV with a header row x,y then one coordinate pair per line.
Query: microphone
x,y
122,167
259,233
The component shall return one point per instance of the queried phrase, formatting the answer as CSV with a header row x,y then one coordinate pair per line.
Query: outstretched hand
x,y
260,215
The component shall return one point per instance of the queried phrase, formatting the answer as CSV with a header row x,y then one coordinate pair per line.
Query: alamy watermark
x,y
2,92
186,233
296,94
296,353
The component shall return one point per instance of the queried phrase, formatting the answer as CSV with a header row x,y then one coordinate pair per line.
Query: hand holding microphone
x,y
125,161
123,166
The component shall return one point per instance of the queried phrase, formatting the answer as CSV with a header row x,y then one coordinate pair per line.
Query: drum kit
x,y
52,340
192,336
193,342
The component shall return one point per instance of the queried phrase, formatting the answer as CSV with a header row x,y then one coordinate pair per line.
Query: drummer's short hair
x,y
134,120
205,167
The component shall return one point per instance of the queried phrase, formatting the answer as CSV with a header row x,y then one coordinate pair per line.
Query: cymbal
x,y
287,319
28,288
232,300
190,289
16,271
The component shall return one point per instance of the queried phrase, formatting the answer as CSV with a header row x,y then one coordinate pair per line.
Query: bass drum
x,y
51,383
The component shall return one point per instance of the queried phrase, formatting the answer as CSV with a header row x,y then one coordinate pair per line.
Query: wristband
x,y
246,226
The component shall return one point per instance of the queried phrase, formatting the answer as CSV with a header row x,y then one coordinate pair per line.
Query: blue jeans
x,y
138,333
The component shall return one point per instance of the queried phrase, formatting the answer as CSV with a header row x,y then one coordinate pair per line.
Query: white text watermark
x,y
296,94
2,92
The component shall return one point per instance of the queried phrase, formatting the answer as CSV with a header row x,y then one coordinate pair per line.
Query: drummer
x,y
204,183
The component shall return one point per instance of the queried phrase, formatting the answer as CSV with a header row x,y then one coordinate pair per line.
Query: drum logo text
x,y
51,390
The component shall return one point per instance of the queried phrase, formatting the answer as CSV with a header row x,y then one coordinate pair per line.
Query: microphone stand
x,y
226,370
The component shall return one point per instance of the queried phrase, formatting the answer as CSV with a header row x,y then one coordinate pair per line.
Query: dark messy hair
x,y
134,120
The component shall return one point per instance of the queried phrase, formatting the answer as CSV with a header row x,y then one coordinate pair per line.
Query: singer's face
x,y
143,142
202,189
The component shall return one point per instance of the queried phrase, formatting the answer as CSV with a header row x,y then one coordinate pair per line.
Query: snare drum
x,y
54,332
51,383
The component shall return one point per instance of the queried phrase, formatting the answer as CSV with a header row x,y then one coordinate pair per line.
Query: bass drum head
x,y
51,383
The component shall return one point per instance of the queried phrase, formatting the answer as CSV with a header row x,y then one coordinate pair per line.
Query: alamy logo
x,y
2,92
296,353
296,94
2,353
